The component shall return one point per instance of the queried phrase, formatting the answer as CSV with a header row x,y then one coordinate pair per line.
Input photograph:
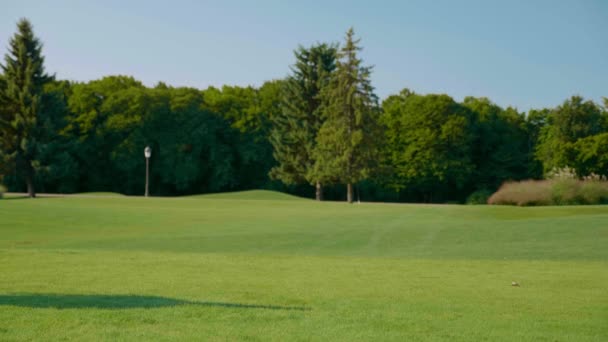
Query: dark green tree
x,y
346,150
188,154
6,132
591,156
102,114
294,131
195,149
248,111
22,122
536,120
58,171
428,145
605,114
501,151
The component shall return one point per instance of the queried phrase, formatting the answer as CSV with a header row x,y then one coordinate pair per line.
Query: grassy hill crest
x,y
266,195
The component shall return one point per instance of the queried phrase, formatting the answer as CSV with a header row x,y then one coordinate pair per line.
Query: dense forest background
x,y
321,129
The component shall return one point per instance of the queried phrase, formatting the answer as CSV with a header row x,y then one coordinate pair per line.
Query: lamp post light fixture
x,y
147,154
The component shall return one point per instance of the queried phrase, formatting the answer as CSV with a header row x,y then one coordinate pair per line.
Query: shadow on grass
x,y
70,301
12,198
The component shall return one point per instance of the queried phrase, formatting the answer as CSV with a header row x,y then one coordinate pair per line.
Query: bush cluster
x,y
551,192
2,190
479,197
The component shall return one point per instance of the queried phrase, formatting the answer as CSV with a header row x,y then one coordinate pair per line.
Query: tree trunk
x,y
29,180
319,192
349,193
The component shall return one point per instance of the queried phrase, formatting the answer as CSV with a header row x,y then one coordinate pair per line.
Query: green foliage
x,y
7,136
428,144
3,189
321,125
348,140
295,130
501,150
202,141
591,156
479,197
22,124
249,112
572,192
103,115
116,117
536,120
575,119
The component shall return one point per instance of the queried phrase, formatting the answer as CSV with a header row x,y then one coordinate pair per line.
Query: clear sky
x,y
527,54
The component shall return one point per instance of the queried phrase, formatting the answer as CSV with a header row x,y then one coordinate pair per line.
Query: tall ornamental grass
x,y
551,192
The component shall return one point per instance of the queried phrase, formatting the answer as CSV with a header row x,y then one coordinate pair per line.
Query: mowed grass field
x,y
263,266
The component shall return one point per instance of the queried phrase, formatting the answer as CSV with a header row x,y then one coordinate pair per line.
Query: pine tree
x,y
347,140
21,102
5,135
294,132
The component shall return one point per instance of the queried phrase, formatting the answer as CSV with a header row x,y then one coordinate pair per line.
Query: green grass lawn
x,y
265,266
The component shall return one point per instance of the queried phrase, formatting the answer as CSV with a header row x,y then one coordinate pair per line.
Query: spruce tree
x,y
346,148
21,102
5,134
294,132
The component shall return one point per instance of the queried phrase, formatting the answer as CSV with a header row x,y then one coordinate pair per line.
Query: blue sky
x,y
527,54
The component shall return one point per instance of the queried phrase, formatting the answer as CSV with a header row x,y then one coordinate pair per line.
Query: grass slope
x,y
274,269
250,195
100,194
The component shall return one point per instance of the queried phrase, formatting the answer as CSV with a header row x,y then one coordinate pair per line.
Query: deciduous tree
x,y
573,120
501,151
428,144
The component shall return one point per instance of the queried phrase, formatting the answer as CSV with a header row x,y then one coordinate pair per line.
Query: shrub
x,y
2,190
594,192
479,197
551,192
565,191
527,193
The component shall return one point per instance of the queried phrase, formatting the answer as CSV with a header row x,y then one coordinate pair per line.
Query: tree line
x,y
318,132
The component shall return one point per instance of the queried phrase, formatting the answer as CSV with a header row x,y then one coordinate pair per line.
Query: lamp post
x,y
147,154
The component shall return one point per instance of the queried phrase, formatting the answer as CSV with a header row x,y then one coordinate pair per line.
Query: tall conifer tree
x,y
346,149
294,132
21,100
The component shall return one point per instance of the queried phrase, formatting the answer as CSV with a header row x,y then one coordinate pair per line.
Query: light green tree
x,y
346,151
573,120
